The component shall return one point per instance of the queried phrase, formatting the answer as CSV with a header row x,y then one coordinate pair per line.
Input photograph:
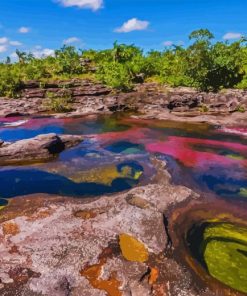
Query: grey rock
x,y
40,148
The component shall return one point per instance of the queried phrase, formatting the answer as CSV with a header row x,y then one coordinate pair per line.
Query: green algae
x,y
225,254
132,151
243,192
235,157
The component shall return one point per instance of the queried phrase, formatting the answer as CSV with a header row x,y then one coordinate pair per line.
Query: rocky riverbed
x,y
143,234
150,100
114,245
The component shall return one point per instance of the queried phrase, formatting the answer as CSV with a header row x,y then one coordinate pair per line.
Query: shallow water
x,y
115,156
200,156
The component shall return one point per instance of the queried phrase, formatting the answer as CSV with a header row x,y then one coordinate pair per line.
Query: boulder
x,y
40,148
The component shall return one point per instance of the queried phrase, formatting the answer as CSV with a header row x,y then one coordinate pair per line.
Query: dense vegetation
x,y
205,64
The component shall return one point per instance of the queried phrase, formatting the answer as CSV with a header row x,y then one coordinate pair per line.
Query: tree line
x,y
205,65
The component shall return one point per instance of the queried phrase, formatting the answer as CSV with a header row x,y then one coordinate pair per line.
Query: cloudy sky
x,y
40,26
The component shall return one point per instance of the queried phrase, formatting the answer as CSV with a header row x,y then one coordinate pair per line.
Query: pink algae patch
x,y
182,149
235,130
134,135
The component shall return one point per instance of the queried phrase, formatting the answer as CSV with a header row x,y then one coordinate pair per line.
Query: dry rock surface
x,y
40,148
150,99
51,245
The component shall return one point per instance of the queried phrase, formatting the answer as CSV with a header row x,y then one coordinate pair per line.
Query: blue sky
x,y
41,26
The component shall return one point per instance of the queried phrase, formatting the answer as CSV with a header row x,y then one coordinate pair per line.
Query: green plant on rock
x,y
203,108
241,109
115,75
59,103
10,81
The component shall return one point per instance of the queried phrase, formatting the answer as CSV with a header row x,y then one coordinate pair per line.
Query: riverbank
x,y
148,100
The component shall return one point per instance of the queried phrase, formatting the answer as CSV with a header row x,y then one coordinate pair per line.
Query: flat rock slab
x,y
62,246
40,148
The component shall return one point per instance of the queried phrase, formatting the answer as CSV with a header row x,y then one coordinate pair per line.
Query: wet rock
x,y
40,148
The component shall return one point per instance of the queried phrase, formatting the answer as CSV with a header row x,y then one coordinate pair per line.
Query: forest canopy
x,y
205,64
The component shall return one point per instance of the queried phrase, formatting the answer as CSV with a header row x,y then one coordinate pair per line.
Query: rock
x,y
69,250
184,102
151,99
33,93
137,201
40,148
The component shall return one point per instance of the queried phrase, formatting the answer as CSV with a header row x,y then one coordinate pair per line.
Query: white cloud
x,y
133,25
38,47
24,30
3,48
171,43
4,40
42,53
71,40
91,4
15,43
168,43
13,55
232,35
5,43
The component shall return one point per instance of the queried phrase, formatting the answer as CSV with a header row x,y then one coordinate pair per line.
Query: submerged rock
x,y
40,148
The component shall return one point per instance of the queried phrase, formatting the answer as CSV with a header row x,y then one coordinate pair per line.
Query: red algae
x,y
182,149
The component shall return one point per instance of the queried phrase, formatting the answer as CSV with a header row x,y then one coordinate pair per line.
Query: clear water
x,y
115,156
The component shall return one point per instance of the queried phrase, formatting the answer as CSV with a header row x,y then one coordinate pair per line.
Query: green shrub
x,y
205,65
10,81
115,75
59,103
241,109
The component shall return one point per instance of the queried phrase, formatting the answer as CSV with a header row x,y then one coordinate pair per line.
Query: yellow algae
x,y
225,254
3,203
235,157
103,175
132,249
106,175
243,192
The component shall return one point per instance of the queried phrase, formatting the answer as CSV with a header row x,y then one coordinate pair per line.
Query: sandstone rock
x,y
153,100
33,93
68,255
40,148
